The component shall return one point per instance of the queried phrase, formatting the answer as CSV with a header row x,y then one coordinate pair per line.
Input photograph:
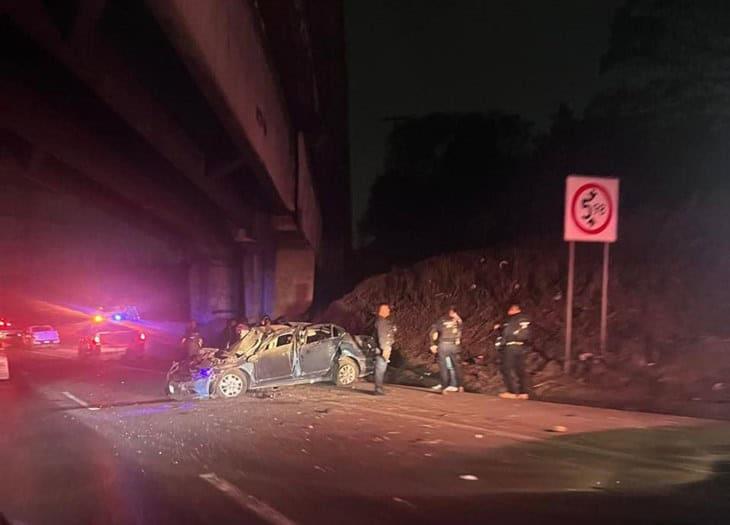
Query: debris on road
x,y
401,500
427,441
469,477
479,436
557,428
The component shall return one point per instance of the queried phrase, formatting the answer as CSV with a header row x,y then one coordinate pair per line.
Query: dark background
x,y
409,58
468,116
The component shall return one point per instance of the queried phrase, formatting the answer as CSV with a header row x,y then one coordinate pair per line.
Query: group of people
x,y
445,343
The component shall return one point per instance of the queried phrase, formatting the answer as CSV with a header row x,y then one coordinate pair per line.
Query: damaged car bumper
x,y
183,382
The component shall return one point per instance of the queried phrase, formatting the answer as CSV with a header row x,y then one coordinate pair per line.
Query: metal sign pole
x,y
604,298
569,306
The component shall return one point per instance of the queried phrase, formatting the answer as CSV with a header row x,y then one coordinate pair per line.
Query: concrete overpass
x,y
215,128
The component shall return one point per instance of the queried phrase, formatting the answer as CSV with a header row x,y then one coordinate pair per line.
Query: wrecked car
x,y
275,355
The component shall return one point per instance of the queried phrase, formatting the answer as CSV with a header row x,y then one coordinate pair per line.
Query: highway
x,y
97,441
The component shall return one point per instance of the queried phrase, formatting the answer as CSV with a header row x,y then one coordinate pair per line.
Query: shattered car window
x,y
284,340
318,333
248,343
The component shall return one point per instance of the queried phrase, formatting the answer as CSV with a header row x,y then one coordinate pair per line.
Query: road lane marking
x,y
79,401
573,447
255,505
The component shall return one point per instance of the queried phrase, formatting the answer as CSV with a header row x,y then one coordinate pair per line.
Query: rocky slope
x,y
669,335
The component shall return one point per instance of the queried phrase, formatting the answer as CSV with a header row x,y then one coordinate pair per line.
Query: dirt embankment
x,y
669,335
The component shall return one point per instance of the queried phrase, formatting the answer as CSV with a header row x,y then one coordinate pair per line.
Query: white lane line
x,y
573,447
79,401
255,505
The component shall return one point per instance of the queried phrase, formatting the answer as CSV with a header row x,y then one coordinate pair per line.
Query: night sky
x,y
413,57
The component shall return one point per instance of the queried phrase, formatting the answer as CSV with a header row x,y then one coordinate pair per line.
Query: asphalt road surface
x,y
97,442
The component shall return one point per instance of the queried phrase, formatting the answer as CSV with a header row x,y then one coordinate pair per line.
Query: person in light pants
x,y
446,344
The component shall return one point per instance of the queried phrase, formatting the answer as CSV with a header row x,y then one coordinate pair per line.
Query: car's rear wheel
x,y
347,372
231,384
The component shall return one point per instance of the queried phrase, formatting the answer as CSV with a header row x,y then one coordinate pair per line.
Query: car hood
x,y
201,366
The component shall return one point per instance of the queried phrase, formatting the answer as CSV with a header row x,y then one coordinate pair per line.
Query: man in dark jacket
x,y
513,344
229,335
446,343
385,337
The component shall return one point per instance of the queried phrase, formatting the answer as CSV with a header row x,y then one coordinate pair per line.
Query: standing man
x,y
385,336
513,344
192,342
446,343
229,335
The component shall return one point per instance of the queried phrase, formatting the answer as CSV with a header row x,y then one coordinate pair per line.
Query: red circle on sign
x,y
606,195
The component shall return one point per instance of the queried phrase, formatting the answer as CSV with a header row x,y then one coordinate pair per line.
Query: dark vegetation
x,y
479,197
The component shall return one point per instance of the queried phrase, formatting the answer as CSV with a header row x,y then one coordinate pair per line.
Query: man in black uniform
x,y
446,343
385,337
512,345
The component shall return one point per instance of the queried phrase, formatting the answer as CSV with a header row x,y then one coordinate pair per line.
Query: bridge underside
x,y
173,143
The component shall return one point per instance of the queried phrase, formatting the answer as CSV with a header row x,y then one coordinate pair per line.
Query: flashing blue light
x,y
205,372
117,317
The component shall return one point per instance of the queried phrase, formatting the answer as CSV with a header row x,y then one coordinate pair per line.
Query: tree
x,y
447,182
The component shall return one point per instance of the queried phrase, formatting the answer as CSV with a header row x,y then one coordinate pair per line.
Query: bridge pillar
x,y
253,282
213,290
293,278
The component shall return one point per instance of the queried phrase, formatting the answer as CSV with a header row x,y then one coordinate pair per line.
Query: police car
x,y
116,314
10,335
114,329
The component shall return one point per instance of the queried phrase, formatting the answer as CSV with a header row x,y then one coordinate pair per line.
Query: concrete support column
x,y
253,283
213,290
293,279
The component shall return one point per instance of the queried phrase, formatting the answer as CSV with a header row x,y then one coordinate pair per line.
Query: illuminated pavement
x,y
97,442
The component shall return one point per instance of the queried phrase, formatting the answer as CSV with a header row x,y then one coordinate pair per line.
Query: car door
x,y
317,350
274,359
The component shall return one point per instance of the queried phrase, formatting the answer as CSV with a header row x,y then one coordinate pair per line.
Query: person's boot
x,y
379,391
461,389
507,395
523,396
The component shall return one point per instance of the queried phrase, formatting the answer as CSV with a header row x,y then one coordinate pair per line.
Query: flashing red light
x,y
2,323
142,336
97,339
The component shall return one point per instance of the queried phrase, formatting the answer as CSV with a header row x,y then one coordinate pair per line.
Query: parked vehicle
x,y
10,335
113,339
37,335
275,355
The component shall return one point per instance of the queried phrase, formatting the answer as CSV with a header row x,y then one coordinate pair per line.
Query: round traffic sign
x,y
591,208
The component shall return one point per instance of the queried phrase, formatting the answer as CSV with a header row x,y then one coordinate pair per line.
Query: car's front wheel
x,y
231,384
347,372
